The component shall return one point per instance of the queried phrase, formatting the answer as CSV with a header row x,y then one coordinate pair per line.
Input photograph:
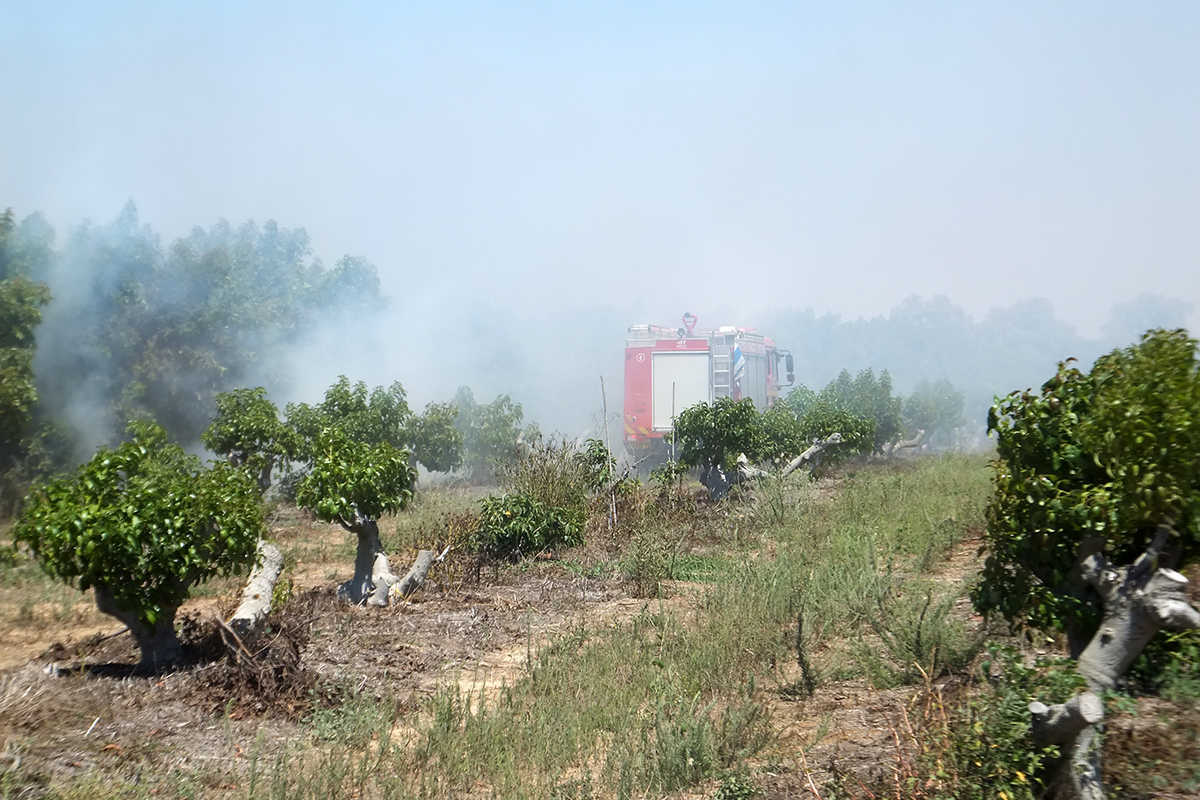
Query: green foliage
x,y
380,416
435,440
145,521
350,479
164,328
491,433
714,434
247,430
514,525
782,435
1106,455
552,473
934,407
871,398
598,465
21,302
983,749
737,786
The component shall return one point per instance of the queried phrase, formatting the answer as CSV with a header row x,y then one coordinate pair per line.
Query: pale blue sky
x,y
683,155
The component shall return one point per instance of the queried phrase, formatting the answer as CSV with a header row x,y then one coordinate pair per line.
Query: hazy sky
x,y
683,155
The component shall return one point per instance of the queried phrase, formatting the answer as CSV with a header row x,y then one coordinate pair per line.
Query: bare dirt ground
x,y
76,710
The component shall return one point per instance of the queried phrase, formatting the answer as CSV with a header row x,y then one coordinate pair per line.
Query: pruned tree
x,y
932,412
353,483
711,436
435,441
248,432
492,433
1097,498
140,525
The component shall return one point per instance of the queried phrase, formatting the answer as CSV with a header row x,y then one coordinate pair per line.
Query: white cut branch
x,y
256,597
387,584
811,453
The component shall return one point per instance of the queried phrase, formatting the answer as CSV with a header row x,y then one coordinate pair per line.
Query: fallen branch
x,y
811,453
260,588
388,587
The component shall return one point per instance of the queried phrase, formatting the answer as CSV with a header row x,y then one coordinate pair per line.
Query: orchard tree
x,y
1097,497
351,448
248,432
382,416
711,436
21,302
140,525
353,483
378,416
435,441
933,411
492,433
868,396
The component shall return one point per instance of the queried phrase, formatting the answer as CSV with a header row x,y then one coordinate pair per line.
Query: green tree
x,y
935,408
141,524
435,440
351,450
711,436
353,482
248,432
378,416
1093,463
492,433
21,303
868,396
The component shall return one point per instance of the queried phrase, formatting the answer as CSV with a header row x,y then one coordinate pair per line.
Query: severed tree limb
x,y
256,597
1139,601
387,586
1061,723
903,444
811,453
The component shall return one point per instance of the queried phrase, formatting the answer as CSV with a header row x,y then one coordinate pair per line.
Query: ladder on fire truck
x,y
720,367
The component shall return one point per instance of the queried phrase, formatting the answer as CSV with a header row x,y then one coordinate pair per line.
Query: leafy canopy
x,y
491,433
349,480
145,521
247,430
934,407
435,441
1106,455
714,434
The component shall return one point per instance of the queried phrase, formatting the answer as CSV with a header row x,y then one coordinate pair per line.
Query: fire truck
x,y
668,370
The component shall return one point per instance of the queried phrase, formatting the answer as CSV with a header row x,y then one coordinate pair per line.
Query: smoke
x,y
138,326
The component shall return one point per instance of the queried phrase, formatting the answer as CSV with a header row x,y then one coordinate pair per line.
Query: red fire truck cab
x,y
668,370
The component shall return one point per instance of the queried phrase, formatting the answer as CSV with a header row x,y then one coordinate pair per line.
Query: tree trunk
x,y
159,644
260,588
1139,600
361,586
264,476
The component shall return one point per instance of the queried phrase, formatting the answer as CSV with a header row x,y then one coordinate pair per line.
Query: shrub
x,y
515,525
552,473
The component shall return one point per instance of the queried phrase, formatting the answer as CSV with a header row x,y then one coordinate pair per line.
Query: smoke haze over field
x,y
530,180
